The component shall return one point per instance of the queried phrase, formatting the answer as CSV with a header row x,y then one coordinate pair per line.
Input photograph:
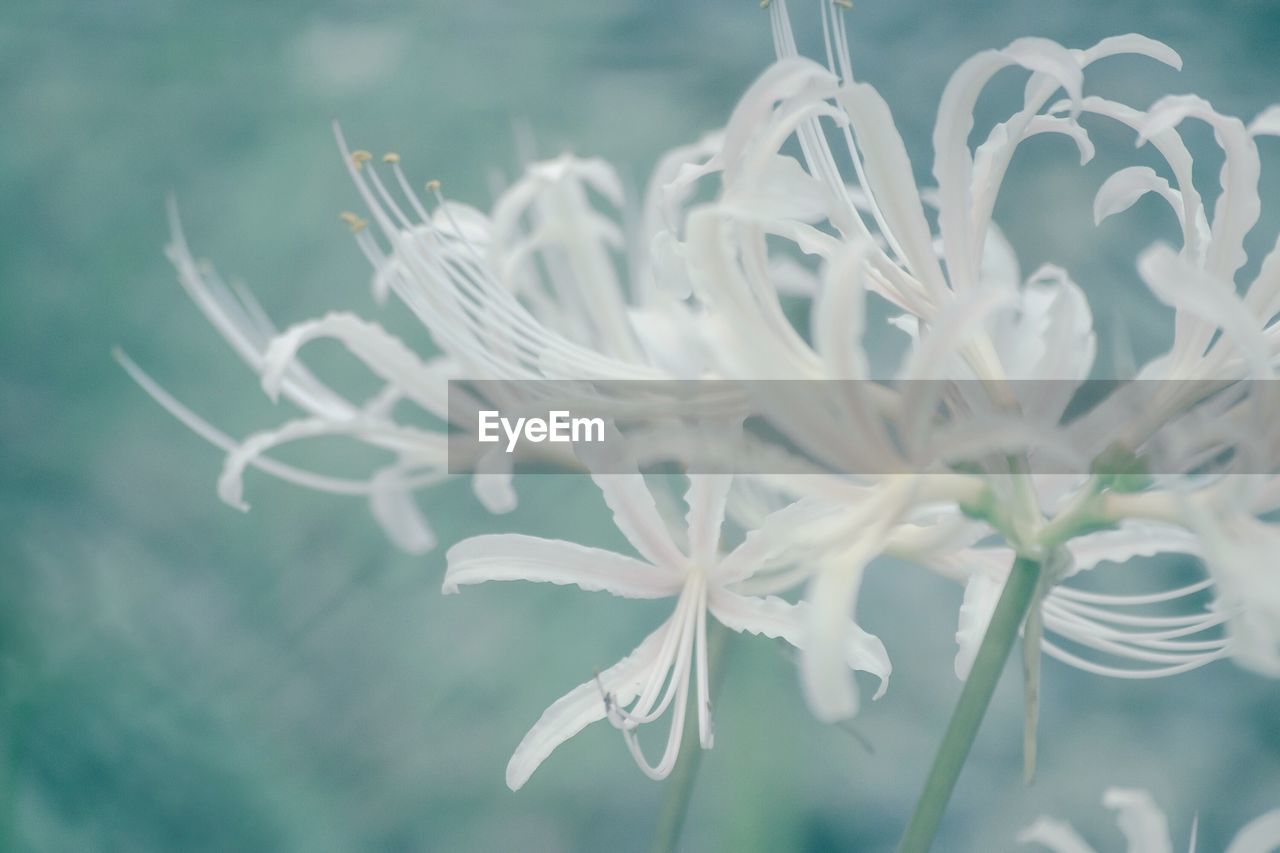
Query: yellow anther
x,y
360,157
843,4
355,223
433,186
391,157
764,4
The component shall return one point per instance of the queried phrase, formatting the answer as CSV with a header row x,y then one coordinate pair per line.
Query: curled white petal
x,y
513,556
1120,191
770,616
1144,825
824,672
1238,207
383,353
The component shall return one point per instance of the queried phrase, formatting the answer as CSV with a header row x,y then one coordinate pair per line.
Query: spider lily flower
x,y
670,665
475,281
970,317
559,281
1146,828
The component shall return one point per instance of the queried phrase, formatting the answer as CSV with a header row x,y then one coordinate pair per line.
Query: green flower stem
x,y
975,696
679,788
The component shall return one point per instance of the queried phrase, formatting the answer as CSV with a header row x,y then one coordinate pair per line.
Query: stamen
x,y
359,157
706,732
1133,600
354,222
391,157
414,201
219,439
680,660
680,678
461,278
1116,672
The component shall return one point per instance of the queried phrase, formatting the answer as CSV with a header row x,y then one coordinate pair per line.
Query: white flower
x,y
656,678
1146,829
560,282
970,317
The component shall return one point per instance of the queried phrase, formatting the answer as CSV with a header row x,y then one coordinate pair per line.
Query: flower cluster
x,y
807,197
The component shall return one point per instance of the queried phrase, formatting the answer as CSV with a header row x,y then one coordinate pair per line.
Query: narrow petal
x,y
839,314
396,512
1132,539
671,184
238,317
797,531
706,499
1132,43
1263,296
770,616
383,353
1237,209
824,673
1120,191
1144,825
583,705
953,161
513,556
618,477
1212,300
491,482
780,188
992,158
1195,225
787,78
891,183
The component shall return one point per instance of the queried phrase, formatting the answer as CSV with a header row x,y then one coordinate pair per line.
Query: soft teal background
x,y
175,675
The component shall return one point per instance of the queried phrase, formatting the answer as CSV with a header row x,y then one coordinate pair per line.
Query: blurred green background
x,y
176,675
